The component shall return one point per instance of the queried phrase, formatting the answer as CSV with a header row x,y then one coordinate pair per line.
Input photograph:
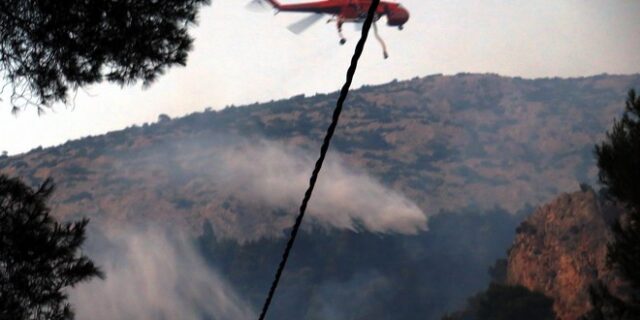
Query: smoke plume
x,y
276,176
154,275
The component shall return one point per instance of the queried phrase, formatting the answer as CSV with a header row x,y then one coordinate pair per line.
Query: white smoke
x,y
153,275
275,176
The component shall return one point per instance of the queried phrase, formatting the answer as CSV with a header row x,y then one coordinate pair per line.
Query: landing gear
x,y
384,47
343,40
400,28
339,23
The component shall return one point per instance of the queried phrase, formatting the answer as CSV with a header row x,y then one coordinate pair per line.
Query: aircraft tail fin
x,y
275,3
261,5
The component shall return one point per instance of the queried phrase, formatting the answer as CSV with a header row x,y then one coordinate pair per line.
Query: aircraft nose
x,y
403,15
398,17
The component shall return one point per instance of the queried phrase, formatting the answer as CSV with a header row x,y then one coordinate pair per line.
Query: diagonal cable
x,y
323,152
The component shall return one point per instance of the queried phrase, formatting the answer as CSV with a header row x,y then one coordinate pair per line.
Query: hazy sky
x,y
242,57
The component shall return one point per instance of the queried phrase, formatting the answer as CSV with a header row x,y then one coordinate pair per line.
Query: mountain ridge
x,y
303,95
434,172
445,142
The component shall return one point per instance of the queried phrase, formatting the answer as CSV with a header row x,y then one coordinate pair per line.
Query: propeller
x,y
305,23
257,6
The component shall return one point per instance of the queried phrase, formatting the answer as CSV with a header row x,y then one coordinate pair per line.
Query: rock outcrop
x,y
560,250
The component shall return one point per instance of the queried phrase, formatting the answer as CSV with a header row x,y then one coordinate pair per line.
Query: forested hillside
x,y
424,186
446,142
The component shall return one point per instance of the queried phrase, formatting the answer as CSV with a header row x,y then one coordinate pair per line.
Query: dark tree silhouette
x,y
606,306
48,47
505,302
619,156
39,257
619,163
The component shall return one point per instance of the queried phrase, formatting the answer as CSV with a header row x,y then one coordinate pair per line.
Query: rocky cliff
x,y
561,249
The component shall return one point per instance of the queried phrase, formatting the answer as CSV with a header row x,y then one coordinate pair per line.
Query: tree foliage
x,y
606,306
619,156
506,302
39,257
48,47
618,159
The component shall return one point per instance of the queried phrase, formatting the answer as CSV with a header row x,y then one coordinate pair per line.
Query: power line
x,y
323,152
